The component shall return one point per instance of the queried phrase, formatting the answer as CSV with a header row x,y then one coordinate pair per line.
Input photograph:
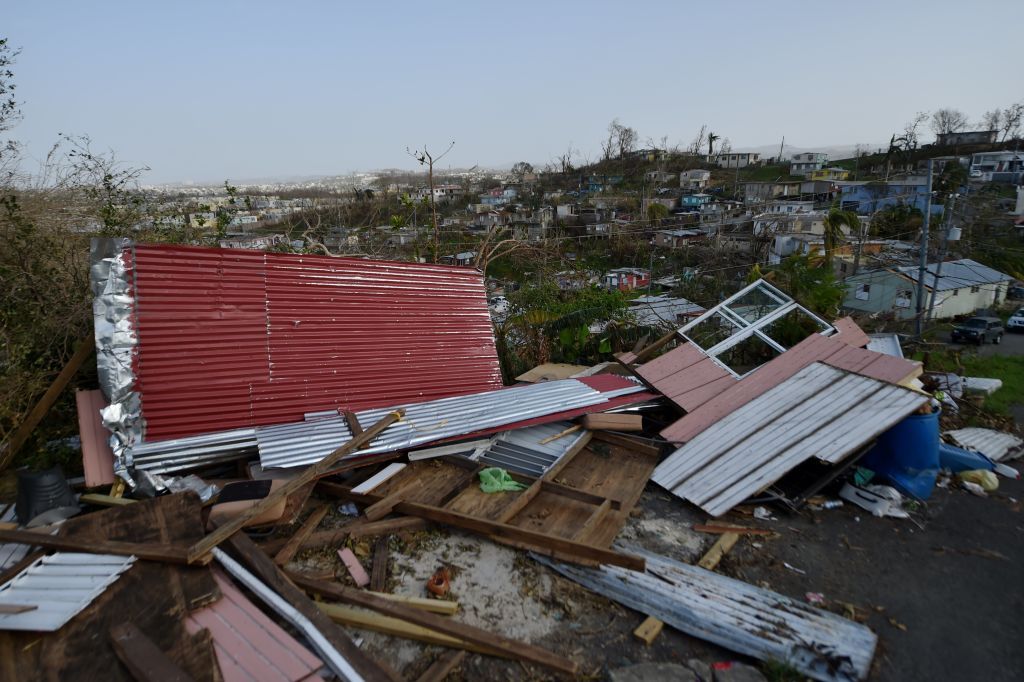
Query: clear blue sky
x,y
212,90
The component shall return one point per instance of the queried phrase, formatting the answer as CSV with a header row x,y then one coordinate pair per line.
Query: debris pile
x,y
271,431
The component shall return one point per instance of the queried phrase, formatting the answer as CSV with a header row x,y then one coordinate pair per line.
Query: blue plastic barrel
x,y
908,455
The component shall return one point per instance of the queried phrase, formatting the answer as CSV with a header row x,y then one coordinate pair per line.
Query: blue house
x,y
865,198
693,202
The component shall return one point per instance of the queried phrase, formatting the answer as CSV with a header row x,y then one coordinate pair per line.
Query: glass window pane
x,y
755,304
711,331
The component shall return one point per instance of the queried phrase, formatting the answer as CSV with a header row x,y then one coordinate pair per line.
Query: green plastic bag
x,y
496,480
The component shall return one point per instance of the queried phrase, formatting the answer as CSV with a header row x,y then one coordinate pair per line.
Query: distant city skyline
x,y
243,90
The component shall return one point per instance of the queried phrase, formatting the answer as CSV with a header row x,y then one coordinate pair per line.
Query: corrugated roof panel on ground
x,y
821,412
305,443
233,338
995,445
735,615
59,586
521,450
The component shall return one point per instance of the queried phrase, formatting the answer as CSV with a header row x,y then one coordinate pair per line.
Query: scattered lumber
x,y
355,569
101,500
561,434
514,649
718,550
442,667
294,543
442,606
267,571
368,620
324,467
387,527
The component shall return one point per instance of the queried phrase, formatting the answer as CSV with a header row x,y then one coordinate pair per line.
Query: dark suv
x,y
979,330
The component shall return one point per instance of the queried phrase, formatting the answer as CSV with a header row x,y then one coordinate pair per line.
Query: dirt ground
x,y
944,590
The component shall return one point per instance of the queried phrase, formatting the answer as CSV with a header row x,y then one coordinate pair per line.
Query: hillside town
x,y
626,409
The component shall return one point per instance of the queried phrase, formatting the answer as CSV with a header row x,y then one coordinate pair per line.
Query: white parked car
x,y
1016,322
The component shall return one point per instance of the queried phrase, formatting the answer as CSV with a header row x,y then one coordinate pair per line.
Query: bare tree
x,y
497,242
621,140
992,120
698,142
1012,116
909,140
425,158
948,121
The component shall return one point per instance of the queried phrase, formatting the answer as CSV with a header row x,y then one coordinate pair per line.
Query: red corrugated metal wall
x,y
231,338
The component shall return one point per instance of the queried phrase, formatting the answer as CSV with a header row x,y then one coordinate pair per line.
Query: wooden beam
x,y
388,526
718,550
379,569
596,517
396,627
321,468
442,666
16,608
384,506
576,448
14,443
646,353
143,658
171,554
272,576
294,543
490,640
517,505
442,606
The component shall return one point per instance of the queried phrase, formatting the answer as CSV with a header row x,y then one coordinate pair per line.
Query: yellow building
x,y
829,174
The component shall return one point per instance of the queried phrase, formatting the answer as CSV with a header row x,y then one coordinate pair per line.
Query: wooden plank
x,y
517,505
268,572
379,570
718,550
378,510
442,667
613,422
355,569
142,657
656,346
516,649
368,620
353,422
596,517
570,454
388,527
321,468
294,543
719,528
14,443
442,606
561,434
172,554
648,630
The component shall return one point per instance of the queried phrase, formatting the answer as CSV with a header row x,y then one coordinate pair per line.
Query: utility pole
x,y
942,255
922,269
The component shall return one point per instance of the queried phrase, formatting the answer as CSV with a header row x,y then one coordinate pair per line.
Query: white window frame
x,y
745,328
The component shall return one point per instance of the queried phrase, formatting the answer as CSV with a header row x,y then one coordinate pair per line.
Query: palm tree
x,y
834,223
712,138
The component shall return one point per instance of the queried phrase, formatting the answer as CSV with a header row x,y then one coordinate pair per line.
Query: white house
x,y
735,159
694,179
805,162
963,287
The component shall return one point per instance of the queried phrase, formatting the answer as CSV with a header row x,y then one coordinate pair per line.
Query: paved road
x,y
1013,344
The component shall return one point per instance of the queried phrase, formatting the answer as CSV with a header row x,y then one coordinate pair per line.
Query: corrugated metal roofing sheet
x,y
995,445
305,443
233,338
814,348
735,615
821,412
956,274
59,586
522,451
11,552
887,344
249,645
